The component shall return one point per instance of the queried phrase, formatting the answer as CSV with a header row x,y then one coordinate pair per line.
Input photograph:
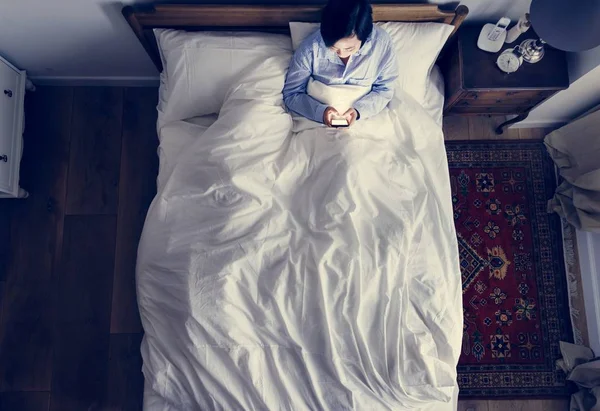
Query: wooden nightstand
x,y
12,108
475,85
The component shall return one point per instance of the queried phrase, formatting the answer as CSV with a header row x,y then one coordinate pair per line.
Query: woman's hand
x,y
329,114
351,116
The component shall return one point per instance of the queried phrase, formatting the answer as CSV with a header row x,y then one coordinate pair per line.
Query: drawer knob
x,y
4,158
8,93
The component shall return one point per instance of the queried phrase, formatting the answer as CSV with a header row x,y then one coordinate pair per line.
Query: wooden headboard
x,y
194,17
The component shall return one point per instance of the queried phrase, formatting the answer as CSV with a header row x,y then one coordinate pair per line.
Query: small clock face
x,y
508,62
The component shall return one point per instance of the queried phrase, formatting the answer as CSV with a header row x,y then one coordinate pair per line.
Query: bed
x,y
284,265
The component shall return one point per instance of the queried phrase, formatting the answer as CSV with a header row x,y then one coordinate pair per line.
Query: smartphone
x,y
339,122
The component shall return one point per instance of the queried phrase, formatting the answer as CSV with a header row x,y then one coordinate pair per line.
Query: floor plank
x,y
137,187
532,133
484,128
83,313
24,401
5,219
95,150
513,405
2,287
36,234
473,405
6,206
481,128
125,378
524,133
456,128
559,404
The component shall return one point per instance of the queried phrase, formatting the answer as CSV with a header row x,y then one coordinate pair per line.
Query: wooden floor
x,y
69,326
483,128
70,330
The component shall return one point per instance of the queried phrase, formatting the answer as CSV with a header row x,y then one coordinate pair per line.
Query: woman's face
x,y
347,46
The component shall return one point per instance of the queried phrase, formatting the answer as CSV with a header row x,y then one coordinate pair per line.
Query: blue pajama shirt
x,y
373,65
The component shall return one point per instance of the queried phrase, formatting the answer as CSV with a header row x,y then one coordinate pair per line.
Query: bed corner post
x,y
461,14
130,14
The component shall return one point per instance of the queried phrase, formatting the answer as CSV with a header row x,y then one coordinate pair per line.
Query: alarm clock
x,y
510,60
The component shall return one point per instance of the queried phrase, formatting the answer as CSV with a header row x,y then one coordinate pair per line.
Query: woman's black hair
x,y
343,18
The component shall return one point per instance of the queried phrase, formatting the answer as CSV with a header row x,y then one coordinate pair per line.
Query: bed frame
x,y
269,18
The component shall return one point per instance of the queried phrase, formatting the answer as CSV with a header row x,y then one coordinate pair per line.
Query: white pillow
x,y
200,67
417,46
299,31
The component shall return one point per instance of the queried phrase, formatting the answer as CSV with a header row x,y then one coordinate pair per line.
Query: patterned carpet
x,y
514,284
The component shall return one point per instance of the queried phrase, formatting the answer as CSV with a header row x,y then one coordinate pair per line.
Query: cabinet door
x,y
9,80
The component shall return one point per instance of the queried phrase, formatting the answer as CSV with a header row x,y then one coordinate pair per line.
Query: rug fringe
x,y
572,284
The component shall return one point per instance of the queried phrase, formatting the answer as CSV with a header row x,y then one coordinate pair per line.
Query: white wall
x,y
581,63
79,40
71,38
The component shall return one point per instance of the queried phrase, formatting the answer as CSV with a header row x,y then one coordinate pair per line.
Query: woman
x,y
347,50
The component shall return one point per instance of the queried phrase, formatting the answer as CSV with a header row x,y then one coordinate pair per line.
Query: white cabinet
x,y
12,95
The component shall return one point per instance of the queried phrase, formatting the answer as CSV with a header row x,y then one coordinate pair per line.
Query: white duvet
x,y
311,270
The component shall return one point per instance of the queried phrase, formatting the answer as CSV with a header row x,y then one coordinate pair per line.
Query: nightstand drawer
x,y
499,110
507,95
485,102
495,101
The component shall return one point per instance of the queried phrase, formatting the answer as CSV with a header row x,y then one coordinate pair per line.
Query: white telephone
x,y
492,36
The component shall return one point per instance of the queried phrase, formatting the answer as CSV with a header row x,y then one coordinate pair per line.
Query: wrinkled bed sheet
x,y
312,270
